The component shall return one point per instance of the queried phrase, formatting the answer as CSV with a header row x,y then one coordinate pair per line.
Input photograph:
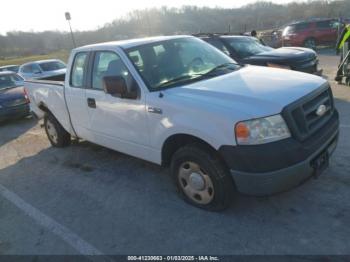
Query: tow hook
x,y
320,164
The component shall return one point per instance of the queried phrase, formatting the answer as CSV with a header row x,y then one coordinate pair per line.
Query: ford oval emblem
x,y
321,110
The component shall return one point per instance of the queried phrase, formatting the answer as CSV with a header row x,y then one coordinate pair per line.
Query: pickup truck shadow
x,y
12,129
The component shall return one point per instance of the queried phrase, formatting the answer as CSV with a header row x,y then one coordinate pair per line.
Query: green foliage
x,y
62,54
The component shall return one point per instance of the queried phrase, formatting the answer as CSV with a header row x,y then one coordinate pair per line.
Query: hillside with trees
x,y
167,21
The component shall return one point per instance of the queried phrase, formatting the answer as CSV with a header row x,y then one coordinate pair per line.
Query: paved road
x,y
91,200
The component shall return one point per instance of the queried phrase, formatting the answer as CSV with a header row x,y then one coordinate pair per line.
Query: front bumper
x,y
7,113
310,70
311,67
276,167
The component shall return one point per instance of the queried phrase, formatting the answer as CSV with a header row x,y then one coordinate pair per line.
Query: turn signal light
x,y
26,95
242,131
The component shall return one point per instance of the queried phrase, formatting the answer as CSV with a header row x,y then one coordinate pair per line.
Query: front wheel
x,y
56,134
201,178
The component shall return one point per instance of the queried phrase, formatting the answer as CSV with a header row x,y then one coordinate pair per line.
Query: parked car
x,y
14,102
311,33
249,50
44,69
178,101
12,68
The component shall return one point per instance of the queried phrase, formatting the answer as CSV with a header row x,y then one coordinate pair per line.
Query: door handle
x,y
91,102
154,110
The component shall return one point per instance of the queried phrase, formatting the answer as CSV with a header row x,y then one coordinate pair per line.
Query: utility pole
x,y
68,18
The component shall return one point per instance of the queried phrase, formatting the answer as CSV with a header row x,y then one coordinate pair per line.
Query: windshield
x,y
52,66
178,61
8,81
247,46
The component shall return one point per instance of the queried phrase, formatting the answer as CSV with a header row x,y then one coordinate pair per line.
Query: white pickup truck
x,y
179,102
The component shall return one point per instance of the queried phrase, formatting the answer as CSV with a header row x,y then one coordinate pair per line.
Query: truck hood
x,y
254,90
287,54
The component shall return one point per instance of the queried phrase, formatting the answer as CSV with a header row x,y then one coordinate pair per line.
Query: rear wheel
x,y
56,134
310,43
201,178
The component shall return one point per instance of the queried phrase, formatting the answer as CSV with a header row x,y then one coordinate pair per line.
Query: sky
x,y
41,15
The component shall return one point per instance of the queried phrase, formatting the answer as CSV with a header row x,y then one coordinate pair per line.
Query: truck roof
x,y
129,43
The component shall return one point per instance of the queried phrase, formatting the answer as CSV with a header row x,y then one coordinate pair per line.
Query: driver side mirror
x,y
116,86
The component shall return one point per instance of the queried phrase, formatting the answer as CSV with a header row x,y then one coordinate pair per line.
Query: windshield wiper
x,y
195,76
219,67
175,80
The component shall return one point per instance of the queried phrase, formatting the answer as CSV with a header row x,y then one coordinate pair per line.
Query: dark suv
x,y
249,50
311,33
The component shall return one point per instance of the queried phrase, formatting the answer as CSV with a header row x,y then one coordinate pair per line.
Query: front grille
x,y
16,102
301,116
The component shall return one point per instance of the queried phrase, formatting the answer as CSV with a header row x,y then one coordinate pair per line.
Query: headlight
x,y
261,130
278,66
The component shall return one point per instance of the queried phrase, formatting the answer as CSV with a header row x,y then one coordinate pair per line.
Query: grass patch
x,y
62,55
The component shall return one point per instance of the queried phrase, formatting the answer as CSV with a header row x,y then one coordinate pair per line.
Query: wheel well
x,y
175,142
44,108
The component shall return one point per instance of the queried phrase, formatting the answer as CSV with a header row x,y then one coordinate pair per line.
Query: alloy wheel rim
x,y
196,183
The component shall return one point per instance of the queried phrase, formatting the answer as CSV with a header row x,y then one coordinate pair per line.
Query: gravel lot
x,y
90,200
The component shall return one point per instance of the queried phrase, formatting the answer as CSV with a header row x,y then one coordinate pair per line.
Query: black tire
x,y
63,138
310,43
208,161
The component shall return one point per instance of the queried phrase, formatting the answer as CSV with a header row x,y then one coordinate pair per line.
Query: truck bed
x,y
48,95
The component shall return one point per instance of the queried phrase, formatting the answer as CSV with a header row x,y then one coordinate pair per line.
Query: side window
x,y
26,69
323,24
218,44
78,70
35,69
108,63
301,26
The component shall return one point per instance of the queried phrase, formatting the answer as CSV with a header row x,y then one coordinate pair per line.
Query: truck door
x,y
117,123
75,87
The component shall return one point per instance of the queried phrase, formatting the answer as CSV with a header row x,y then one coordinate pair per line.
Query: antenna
x,y
68,18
